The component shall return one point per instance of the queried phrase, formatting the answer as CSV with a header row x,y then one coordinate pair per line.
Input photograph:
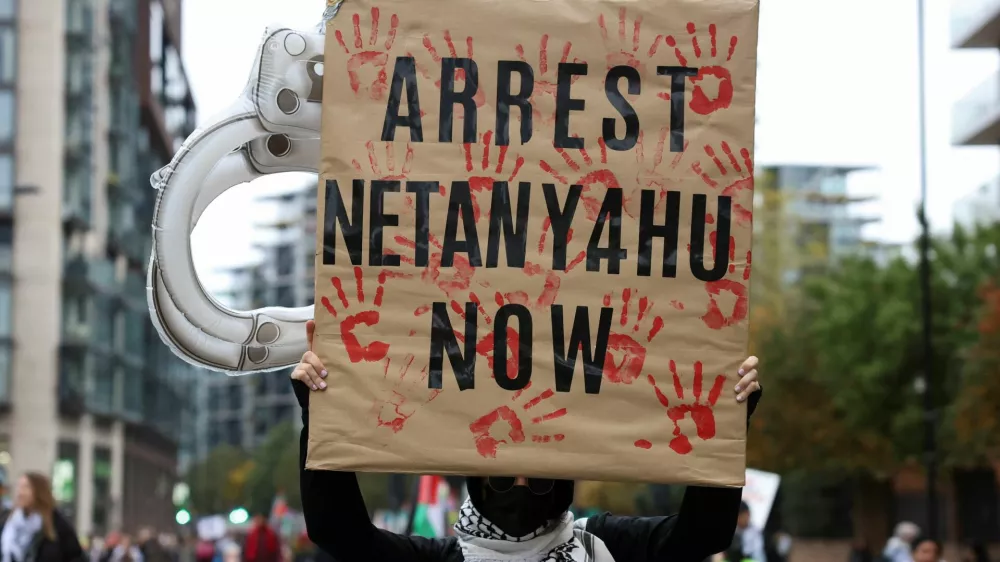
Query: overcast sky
x,y
836,85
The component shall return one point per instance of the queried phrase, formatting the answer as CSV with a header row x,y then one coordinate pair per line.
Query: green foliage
x,y
262,483
213,486
840,365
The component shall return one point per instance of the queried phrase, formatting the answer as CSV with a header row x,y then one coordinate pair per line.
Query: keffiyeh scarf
x,y
563,540
18,532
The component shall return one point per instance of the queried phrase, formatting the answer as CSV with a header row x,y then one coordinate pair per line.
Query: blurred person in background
x,y
975,552
111,542
748,542
126,551
35,531
513,518
150,547
926,550
95,547
262,543
899,547
204,550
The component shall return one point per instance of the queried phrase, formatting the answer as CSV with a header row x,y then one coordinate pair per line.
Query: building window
x,y
7,8
7,116
6,180
6,309
8,54
284,255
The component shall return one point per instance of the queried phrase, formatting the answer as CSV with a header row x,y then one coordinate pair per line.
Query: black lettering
x,y
377,220
560,220
648,230
350,228
460,204
449,98
421,239
405,72
677,76
624,108
698,211
443,340
506,99
611,213
524,346
515,238
566,104
565,359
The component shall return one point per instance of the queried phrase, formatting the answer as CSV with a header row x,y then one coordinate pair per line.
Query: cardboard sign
x,y
535,253
759,492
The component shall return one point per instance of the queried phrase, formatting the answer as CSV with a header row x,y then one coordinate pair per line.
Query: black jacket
x,y
337,521
66,547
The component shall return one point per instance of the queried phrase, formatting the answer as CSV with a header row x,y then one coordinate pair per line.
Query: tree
x,y
262,481
213,490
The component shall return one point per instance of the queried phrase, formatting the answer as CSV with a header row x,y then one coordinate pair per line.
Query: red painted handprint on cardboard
x,y
350,320
397,405
485,170
543,95
713,86
432,52
504,426
702,412
369,53
627,342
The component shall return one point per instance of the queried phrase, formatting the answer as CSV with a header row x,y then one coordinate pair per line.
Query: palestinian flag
x,y
429,517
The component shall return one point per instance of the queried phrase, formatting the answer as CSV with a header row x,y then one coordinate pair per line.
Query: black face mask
x,y
517,512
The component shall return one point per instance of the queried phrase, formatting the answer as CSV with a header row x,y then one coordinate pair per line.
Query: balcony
x,y
976,117
975,24
98,275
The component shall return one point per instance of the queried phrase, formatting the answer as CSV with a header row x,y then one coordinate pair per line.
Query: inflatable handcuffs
x,y
273,127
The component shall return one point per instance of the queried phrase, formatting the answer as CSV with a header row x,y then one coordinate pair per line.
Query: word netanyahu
x,y
510,226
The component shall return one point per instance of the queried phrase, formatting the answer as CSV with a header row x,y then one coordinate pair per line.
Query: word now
x,y
404,75
444,341
513,230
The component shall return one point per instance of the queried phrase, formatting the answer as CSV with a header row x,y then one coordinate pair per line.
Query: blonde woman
x,y
35,531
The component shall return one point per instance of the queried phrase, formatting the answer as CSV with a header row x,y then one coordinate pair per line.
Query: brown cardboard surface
x,y
664,410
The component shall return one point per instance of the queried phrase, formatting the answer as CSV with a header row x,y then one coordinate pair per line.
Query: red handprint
x,y
482,429
632,353
701,103
376,350
457,279
390,162
479,97
650,175
484,347
595,182
702,413
715,318
740,188
544,92
481,186
400,402
371,54
625,52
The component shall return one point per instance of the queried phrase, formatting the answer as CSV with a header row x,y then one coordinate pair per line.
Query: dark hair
x,y
922,540
744,507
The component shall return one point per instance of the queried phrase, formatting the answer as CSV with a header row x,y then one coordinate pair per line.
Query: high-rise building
x,y
975,24
93,98
808,212
980,207
240,411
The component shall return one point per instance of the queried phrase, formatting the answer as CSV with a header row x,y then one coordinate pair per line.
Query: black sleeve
x,y
69,544
704,526
337,520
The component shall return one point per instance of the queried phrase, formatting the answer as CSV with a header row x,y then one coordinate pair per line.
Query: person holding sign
x,y
513,518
